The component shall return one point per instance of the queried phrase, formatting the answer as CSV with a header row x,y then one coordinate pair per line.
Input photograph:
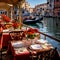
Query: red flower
x,y
15,24
30,33
25,31
33,30
6,18
30,30
36,30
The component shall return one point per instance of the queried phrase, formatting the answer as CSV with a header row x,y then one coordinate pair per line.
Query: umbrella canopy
x,y
11,1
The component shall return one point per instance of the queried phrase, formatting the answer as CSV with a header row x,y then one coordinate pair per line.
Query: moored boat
x,y
33,21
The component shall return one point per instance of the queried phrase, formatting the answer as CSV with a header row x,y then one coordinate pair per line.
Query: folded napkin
x,y
6,30
17,44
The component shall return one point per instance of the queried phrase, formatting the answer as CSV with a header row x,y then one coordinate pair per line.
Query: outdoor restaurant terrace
x,y
21,42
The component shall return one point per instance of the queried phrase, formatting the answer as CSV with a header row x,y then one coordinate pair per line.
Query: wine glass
x,y
12,36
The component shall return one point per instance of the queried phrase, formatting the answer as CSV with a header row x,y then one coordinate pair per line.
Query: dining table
x,y
25,49
7,37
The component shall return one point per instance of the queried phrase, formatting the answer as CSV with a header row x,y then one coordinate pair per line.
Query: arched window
x,y
3,12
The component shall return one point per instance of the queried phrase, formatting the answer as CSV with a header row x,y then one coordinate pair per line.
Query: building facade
x,y
40,9
50,7
27,7
53,7
57,8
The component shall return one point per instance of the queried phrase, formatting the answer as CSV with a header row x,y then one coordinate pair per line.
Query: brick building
x,y
57,8
53,7
40,9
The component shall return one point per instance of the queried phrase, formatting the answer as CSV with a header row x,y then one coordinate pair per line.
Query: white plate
x,y
21,50
35,46
41,41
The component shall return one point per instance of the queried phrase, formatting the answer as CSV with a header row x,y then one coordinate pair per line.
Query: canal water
x,y
50,26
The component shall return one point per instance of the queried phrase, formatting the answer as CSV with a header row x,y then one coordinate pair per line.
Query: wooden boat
x,y
32,21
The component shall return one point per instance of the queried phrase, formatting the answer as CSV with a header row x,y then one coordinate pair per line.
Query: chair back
x,y
49,55
1,37
17,35
1,40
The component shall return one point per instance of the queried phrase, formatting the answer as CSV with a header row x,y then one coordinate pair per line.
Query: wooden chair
x,y
1,40
48,55
17,35
3,51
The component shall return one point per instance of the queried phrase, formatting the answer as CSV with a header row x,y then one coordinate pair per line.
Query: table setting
x,y
21,50
36,47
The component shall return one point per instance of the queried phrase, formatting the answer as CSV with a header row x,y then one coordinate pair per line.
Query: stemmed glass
x,y
12,36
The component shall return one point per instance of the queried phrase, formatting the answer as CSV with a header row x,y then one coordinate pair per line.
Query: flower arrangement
x,y
6,18
15,25
31,33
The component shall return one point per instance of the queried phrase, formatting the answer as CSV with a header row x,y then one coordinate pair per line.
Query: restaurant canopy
x,y
12,1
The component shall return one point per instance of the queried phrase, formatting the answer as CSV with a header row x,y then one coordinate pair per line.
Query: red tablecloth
x,y
1,40
6,38
20,56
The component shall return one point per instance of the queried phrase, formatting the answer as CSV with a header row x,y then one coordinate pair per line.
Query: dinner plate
x,y
21,50
41,41
36,47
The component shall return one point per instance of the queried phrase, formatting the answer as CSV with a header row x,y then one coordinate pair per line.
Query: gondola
x,y
33,21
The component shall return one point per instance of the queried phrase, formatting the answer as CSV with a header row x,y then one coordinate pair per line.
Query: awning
x,y
11,1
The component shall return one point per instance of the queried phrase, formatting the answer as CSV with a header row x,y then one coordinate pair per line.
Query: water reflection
x,y
49,25
53,26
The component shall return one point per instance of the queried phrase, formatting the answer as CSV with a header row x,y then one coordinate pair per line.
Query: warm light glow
x,y
10,4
